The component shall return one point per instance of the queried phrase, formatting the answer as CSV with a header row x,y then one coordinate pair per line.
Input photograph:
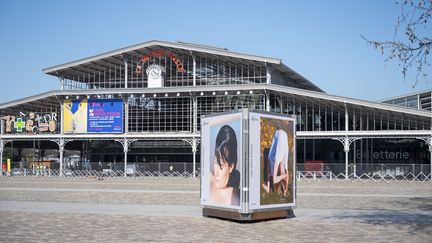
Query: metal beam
x,y
299,93
362,134
179,46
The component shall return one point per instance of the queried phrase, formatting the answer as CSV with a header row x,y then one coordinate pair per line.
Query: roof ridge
x,y
201,45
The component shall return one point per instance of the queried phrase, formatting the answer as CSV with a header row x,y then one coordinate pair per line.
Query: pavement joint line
x,y
101,209
364,195
197,192
195,211
92,182
96,190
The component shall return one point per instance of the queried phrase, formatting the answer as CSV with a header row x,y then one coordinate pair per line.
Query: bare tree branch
x,y
411,44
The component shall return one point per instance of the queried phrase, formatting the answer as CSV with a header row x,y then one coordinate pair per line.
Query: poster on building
x,y
29,122
105,116
75,116
93,116
272,161
221,159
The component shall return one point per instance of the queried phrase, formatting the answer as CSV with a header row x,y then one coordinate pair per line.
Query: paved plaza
x,y
163,209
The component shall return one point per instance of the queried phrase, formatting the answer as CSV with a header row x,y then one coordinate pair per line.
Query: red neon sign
x,y
160,53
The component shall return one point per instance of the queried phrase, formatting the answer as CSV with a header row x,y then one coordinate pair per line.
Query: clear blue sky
x,y
318,39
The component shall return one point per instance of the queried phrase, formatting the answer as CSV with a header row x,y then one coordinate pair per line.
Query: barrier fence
x,y
329,171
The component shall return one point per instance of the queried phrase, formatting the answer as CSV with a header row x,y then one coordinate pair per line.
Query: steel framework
x,y
201,80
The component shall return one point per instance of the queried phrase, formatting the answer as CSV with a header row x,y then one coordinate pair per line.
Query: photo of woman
x,y
224,173
276,159
276,176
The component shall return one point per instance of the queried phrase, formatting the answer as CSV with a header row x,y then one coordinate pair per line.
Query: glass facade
x,y
420,100
170,115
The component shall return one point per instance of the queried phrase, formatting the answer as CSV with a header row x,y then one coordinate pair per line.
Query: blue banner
x,y
105,116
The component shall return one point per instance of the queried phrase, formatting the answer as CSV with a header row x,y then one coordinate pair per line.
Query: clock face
x,y
154,71
155,76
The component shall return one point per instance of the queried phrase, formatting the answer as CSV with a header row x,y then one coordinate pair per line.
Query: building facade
x,y
420,100
138,109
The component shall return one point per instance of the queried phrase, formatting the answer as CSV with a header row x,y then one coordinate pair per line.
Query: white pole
x,y
195,114
194,70
346,142
125,163
125,150
346,164
194,148
61,148
346,150
194,163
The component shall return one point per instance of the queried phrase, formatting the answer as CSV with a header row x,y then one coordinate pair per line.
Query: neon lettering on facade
x,y
159,53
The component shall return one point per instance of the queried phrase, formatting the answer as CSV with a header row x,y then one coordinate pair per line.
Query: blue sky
x,y
318,39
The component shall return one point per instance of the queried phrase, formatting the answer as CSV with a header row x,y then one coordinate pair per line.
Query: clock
x,y
154,71
154,74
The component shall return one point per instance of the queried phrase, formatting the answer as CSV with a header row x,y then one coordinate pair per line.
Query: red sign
x,y
159,53
315,165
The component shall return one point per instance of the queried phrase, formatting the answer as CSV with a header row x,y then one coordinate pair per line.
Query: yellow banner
x,y
75,116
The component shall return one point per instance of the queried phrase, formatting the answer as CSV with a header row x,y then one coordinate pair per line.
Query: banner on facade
x,y
105,116
31,122
75,116
93,116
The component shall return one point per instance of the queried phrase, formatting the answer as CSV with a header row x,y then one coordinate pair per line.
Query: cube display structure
x,y
248,165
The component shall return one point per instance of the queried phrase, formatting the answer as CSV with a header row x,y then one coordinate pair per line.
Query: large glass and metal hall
x,y
137,109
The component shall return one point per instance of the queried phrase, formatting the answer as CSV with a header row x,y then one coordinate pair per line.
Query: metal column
x,y
268,74
346,142
355,160
195,114
346,118
193,69
61,117
194,150
346,150
125,143
267,101
125,150
61,83
61,143
428,141
61,150
126,104
126,71
194,144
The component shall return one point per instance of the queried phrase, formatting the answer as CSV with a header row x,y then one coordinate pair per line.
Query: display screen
x,y
105,116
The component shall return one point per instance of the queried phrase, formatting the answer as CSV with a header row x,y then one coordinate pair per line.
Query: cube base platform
x,y
248,217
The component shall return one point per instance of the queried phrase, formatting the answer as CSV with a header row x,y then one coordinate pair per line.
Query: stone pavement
x,y
163,209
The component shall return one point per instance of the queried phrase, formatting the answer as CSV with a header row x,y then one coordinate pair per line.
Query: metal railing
x,y
336,172
365,172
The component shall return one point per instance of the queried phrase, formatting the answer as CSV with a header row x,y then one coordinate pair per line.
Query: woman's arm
x,y
282,176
